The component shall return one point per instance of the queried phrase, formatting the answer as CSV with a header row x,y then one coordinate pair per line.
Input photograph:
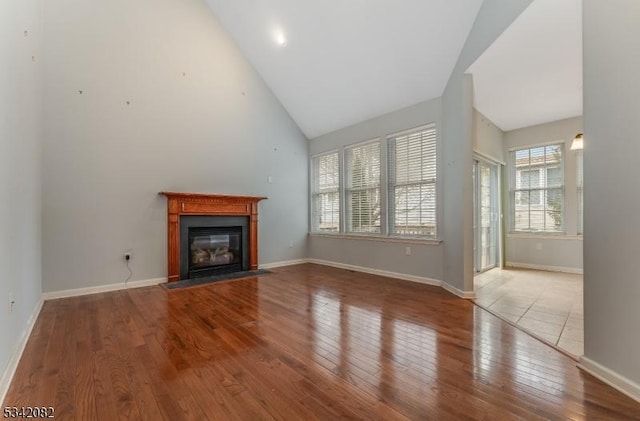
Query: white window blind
x,y
325,208
537,189
579,184
412,182
363,188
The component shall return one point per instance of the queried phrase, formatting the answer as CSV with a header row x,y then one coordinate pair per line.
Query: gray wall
x,y
457,109
20,177
458,197
425,259
612,231
561,252
488,139
199,119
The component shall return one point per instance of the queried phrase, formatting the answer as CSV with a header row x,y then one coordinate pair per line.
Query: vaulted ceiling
x,y
345,61
532,73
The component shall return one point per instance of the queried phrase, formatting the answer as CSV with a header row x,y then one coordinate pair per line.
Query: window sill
x,y
543,236
381,238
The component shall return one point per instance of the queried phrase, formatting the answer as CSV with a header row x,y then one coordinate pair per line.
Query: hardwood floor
x,y
305,342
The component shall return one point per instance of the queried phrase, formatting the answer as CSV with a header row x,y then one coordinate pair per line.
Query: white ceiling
x,y
349,60
532,74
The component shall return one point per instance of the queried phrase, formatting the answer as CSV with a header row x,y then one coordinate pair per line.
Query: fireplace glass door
x,y
214,250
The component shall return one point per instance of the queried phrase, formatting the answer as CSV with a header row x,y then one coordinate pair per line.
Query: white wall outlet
x,y
407,251
127,255
291,244
270,179
538,246
12,301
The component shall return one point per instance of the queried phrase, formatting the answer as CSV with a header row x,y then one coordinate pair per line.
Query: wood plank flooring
x,y
306,342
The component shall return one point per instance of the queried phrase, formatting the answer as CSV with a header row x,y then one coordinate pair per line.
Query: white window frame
x,y
348,190
383,186
393,184
316,193
542,189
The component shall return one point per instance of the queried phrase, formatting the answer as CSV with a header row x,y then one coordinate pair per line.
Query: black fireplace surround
x,y
212,245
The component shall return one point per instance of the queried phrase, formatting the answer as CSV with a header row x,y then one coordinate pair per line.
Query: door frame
x,y
500,171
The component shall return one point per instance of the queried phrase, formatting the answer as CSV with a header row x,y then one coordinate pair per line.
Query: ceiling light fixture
x,y
281,40
578,142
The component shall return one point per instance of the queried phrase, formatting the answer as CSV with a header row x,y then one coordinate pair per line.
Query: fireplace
x,y
213,245
210,234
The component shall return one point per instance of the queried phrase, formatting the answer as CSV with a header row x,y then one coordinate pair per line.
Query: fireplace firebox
x,y
214,250
213,245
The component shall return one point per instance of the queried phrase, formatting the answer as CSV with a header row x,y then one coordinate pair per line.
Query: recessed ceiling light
x,y
281,40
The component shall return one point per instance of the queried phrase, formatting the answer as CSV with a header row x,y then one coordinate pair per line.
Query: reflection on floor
x,y
546,304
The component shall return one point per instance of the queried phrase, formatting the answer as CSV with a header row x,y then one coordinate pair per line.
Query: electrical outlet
x,y
407,251
127,256
291,244
12,301
538,246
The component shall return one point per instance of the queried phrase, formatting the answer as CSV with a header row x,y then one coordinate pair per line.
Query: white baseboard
x,y
578,271
10,371
403,276
101,288
460,293
611,378
283,263
363,269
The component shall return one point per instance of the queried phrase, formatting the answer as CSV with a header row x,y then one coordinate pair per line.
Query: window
x,y
325,214
579,184
412,182
530,178
363,188
537,189
381,187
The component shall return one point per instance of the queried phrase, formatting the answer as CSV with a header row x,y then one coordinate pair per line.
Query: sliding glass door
x,y
486,215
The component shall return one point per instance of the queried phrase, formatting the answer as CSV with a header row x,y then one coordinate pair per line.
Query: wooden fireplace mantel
x,y
208,204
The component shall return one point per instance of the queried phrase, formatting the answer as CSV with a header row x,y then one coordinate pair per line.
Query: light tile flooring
x,y
546,304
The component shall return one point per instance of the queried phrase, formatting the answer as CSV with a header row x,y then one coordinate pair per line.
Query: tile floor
x,y
546,304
